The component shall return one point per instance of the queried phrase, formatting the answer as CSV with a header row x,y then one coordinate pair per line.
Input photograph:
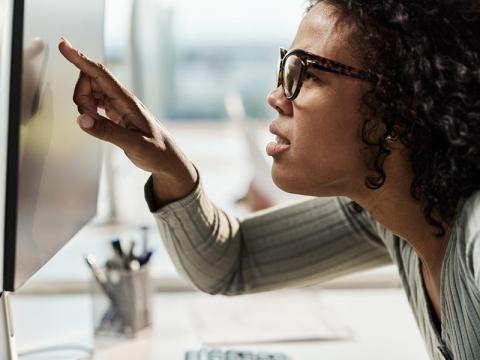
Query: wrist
x,y
170,188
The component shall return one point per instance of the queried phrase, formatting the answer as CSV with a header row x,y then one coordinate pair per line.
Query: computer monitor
x,y
49,168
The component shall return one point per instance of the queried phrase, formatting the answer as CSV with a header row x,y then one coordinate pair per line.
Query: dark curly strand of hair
x,y
428,94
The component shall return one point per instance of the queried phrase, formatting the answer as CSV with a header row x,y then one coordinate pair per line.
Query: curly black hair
x,y
427,53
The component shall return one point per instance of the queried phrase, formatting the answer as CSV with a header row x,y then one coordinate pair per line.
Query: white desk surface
x,y
382,322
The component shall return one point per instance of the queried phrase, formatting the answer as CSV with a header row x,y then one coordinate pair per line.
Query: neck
x,y
394,207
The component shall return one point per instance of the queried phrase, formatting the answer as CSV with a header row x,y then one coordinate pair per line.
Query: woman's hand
x,y
130,126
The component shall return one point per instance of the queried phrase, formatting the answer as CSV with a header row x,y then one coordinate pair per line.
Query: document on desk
x,y
267,317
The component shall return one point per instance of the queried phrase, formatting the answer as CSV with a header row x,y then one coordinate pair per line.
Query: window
x,y
188,54
181,57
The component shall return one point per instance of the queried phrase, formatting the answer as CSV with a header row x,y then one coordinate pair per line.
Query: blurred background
x,y
204,68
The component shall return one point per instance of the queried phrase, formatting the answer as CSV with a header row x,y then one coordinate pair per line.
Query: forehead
x,y
324,32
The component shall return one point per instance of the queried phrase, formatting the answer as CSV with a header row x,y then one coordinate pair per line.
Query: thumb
x,y
106,130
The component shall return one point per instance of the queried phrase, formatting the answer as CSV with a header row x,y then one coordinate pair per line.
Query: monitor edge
x,y
5,62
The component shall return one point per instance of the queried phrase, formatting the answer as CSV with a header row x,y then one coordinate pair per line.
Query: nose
x,y
277,100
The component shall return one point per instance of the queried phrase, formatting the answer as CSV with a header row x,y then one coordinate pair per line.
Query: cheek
x,y
325,154
327,135
325,151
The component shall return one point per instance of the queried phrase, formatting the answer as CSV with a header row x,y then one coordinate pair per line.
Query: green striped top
x,y
318,239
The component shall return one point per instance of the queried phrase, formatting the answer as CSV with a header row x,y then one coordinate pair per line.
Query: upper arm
x,y
475,256
308,242
470,231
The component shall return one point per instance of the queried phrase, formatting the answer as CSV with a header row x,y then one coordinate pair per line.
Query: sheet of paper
x,y
267,317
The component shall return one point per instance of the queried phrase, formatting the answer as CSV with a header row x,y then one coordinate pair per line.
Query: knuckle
x,y
104,70
101,67
82,56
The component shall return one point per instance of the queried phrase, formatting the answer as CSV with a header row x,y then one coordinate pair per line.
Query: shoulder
x,y
468,232
469,219
363,221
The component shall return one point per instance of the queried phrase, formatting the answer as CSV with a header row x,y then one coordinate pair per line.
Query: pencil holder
x,y
122,306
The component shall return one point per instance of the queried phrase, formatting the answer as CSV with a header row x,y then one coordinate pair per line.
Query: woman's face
x,y
325,157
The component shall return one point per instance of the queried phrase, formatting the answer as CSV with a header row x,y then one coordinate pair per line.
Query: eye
x,y
310,76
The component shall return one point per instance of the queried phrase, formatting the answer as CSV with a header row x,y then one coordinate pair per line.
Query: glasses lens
x,y
291,75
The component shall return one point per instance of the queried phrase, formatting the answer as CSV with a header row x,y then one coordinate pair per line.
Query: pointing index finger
x,y
120,99
96,71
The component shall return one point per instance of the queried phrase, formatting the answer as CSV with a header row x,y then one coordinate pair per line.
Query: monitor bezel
x,y
12,151
5,61
5,44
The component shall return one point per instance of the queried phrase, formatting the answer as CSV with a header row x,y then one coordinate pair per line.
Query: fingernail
x,y
85,121
62,39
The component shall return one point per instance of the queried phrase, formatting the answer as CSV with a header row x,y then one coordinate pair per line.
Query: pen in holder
x,y
122,294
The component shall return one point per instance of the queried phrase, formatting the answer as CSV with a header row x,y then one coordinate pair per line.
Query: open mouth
x,y
282,141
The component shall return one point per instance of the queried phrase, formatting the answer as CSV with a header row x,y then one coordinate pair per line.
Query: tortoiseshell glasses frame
x,y
306,60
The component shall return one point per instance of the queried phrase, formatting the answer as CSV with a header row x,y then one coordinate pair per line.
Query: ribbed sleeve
x,y
296,245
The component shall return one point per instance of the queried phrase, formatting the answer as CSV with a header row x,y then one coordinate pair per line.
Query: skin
x,y
326,157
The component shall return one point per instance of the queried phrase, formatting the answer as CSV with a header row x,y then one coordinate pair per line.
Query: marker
x,y
117,247
145,259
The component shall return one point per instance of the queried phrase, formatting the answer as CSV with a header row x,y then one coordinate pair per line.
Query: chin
x,y
289,182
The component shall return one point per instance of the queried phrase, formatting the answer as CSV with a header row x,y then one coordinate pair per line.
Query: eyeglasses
x,y
294,65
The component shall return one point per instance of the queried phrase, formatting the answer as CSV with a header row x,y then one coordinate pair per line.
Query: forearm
x,y
202,241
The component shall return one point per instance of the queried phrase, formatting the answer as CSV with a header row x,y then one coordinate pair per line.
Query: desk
x,y
381,319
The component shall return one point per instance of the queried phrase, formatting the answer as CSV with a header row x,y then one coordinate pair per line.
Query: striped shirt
x,y
318,239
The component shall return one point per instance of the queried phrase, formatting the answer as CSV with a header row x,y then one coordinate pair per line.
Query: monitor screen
x,y
53,167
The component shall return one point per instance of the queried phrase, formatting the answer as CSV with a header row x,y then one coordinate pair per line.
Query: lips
x,y
281,143
274,129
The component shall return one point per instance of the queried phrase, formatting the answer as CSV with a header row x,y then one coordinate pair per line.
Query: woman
x,y
377,103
